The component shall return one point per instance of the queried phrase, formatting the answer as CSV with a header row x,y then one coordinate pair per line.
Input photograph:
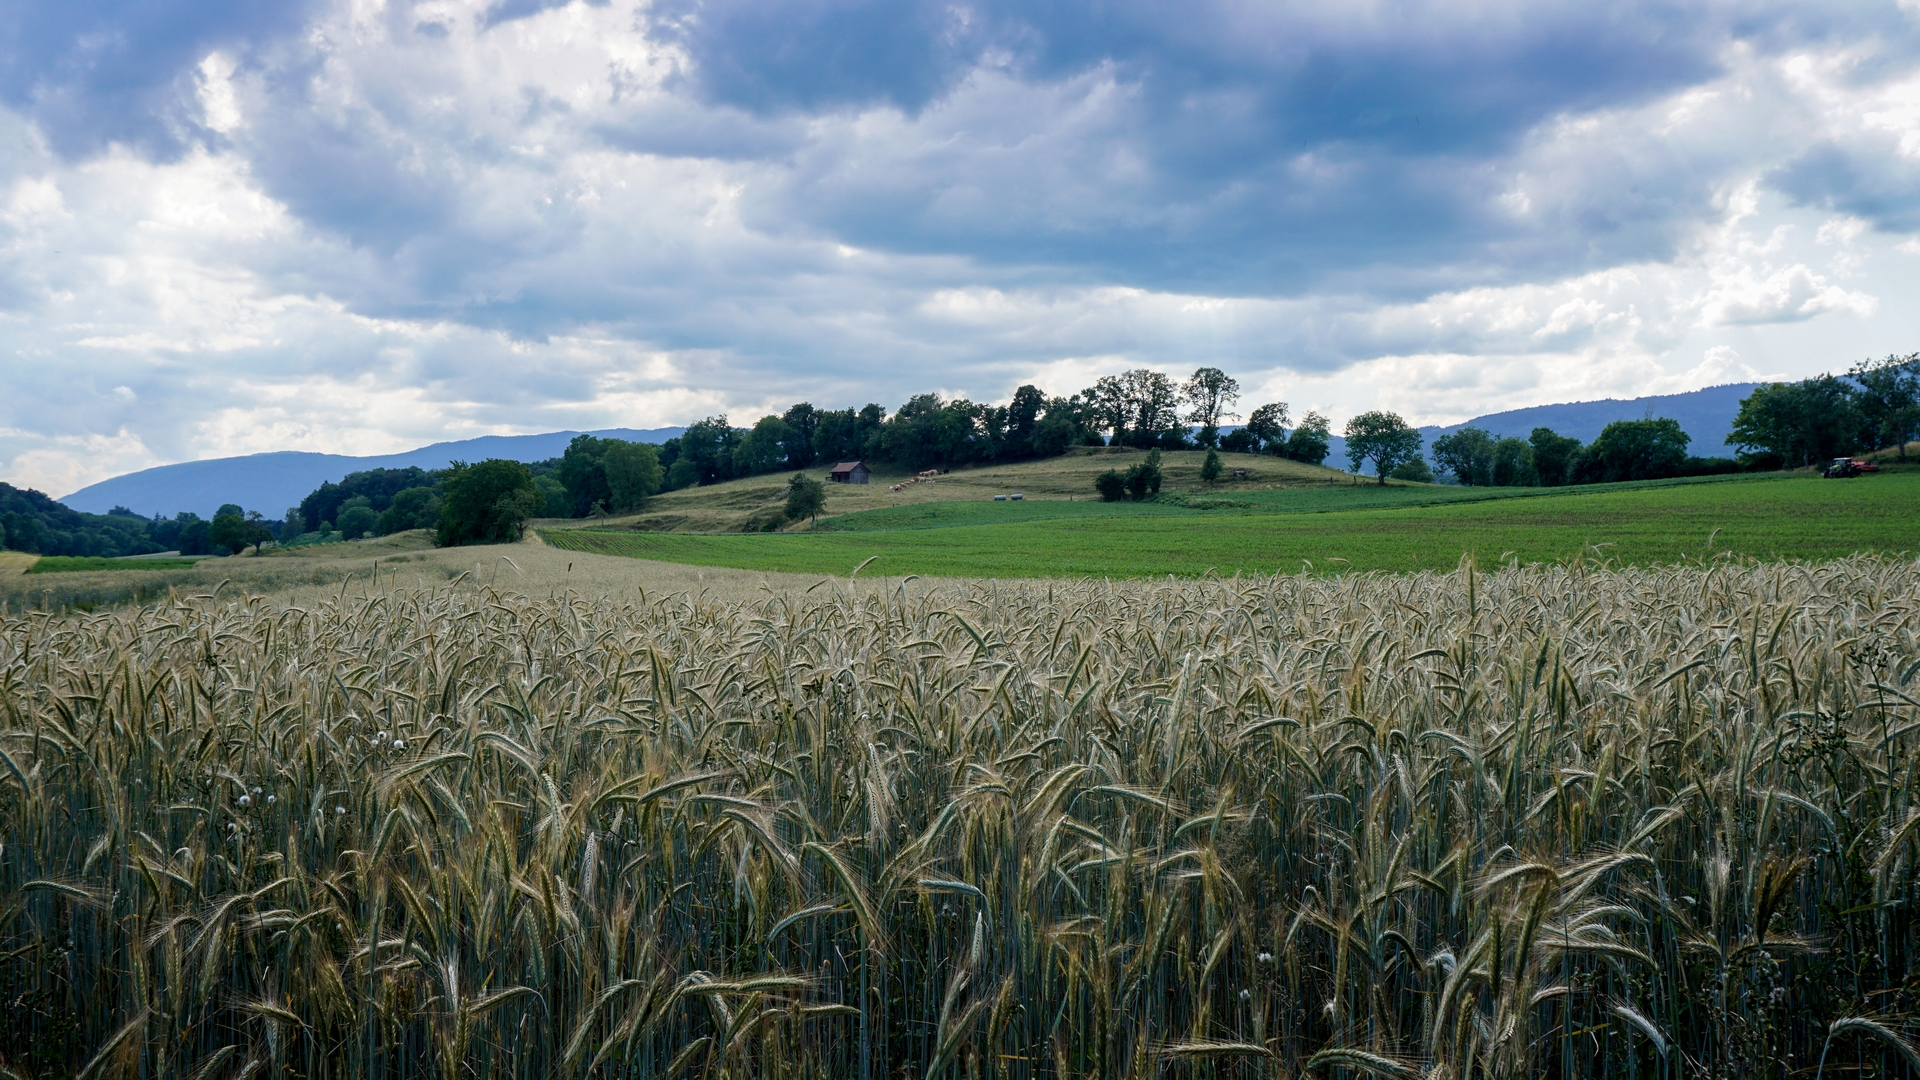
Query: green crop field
x,y
1301,499
1787,516
72,564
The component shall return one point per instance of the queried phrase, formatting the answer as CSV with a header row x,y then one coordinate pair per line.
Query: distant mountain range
x,y
272,482
1705,415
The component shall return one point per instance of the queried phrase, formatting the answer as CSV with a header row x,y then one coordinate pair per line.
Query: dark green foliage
x,y
1467,454
806,497
1383,439
1054,434
413,508
1513,464
1240,441
356,518
1210,394
1888,397
1554,456
610,475
583,476
1139,482
1635,450
559,504
194,536
764,448
803,422
1801,423
233,533
1626,450
377,486
1267,425
487,503
1140,407
1143,479
928,431
683,474
1415,471
1311,442
845,434
32,522
708,447
1021,425
633,474
1210,468
1266,432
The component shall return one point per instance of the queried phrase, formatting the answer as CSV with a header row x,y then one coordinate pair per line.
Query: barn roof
x,y
848,466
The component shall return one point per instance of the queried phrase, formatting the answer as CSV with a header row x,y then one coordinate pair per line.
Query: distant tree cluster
x,y
485,503
609,476
32,522
1265,432
1142,408
1651,449
1875,405
374,502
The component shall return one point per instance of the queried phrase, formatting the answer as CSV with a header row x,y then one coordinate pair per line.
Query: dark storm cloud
x,y
118,70
1867,179
1258,149
386,216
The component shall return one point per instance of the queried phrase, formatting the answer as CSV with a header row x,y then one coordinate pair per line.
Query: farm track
x,y
1553,821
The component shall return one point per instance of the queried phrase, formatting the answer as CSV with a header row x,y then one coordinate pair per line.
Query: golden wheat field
x,y
1561,821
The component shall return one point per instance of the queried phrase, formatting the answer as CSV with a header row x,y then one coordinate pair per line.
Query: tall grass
x,y
1548,822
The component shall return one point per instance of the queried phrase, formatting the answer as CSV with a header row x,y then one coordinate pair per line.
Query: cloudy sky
x,y
359,227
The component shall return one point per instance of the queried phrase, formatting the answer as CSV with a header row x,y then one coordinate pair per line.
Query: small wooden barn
x,y
851,472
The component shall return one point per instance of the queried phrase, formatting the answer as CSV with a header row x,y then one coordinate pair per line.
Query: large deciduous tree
x,y
802,421
1268,425
1889,398
1210,395
1381,438
708,448
1311,441
763,449
633,474
1467,454
1635,450
1554,456
1801,423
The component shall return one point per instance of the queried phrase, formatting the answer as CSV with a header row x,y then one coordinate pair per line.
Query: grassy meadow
x,y
72,564
1065,480
1558,821
1777,516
